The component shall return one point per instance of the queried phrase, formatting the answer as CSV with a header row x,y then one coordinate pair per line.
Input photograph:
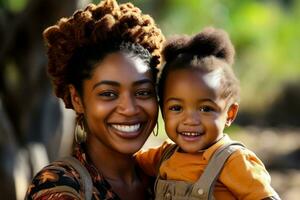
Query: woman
x,y
103,64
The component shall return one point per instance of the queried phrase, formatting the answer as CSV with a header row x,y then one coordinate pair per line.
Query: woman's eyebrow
x,y
107,82
143,81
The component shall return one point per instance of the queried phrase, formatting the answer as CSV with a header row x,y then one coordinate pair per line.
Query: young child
x,y
199,95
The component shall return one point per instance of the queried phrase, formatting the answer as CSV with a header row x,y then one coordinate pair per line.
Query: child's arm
x,y
246,177
149,159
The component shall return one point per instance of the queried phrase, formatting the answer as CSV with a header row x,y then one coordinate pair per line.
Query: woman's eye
x,y
206,109
144,93
175,108
109,95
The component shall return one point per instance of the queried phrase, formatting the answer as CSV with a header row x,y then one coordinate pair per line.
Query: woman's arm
x,y
56,181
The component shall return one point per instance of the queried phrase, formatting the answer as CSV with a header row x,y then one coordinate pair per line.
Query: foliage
x,y
263,32
13,5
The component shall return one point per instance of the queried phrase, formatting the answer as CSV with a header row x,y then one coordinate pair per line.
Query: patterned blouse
x,y
61,181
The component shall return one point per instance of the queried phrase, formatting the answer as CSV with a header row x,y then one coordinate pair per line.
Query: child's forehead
x,y
213,79
189,80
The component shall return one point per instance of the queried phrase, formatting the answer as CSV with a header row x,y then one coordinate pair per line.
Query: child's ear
x,y
231,113
76,100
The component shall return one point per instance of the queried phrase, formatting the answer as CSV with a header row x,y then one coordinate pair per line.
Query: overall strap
x,y
165,155
84,175
205,185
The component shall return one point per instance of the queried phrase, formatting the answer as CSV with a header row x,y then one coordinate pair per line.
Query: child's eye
x,y
175,108
206,109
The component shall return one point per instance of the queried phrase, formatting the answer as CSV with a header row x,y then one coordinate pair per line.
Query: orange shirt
x,y
243,176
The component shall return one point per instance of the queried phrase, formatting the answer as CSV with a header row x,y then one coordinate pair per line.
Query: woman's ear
x,y
76,99
231,113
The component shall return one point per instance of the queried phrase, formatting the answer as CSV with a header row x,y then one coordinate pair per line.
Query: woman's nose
x,y
191,118
127,105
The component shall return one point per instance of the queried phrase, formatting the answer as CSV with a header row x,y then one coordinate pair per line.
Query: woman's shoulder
x,y
58,180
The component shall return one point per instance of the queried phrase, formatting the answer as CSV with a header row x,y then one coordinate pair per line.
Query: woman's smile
x,y
127,128
127,131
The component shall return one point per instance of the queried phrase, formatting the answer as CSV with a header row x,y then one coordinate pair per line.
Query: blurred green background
x,y
265,34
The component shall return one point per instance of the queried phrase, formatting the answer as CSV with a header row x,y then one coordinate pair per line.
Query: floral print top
x,y
61,181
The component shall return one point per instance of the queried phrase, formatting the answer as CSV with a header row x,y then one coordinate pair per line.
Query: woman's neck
x,y
114,166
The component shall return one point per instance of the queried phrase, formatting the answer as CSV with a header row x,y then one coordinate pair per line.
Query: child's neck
x,y
213,143
204,149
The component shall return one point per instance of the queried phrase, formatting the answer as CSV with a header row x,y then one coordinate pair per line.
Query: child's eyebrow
x,y
199,101
206,99
173,99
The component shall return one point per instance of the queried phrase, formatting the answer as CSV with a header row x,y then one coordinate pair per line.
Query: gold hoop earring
x,y
227,124
155,134
80,133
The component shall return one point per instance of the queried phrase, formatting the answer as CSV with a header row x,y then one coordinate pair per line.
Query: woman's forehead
x,y
122,67
137,63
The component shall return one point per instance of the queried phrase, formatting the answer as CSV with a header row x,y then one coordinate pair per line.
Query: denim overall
x,y
203,188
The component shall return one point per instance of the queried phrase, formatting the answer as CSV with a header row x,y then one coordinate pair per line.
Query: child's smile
x,y
191,134
194,114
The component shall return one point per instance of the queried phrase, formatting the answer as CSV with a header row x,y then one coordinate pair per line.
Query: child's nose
x,y
192,118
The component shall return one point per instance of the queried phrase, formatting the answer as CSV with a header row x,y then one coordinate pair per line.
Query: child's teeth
x,y
191,133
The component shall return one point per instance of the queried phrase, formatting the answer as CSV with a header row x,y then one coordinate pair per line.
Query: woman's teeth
x,y
127,128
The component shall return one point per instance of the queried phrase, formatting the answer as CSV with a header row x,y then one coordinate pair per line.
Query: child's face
x,y
193,111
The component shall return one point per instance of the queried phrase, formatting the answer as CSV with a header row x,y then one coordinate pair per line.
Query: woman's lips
x,y
127,131
127,128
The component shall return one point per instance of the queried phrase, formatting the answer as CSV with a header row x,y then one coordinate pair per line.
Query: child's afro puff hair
x,y
209,50
209,42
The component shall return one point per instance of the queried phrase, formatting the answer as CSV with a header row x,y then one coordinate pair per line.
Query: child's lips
x,y
191,136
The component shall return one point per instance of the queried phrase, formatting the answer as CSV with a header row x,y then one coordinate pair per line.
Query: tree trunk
x,y
29,112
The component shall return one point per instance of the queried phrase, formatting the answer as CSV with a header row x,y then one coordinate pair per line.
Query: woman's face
x,y
119,103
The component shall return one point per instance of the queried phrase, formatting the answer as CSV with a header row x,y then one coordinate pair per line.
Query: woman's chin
x,y
130,148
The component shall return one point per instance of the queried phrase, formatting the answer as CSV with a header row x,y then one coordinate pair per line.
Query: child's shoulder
x,y
241,152
244,168
243,159
244,154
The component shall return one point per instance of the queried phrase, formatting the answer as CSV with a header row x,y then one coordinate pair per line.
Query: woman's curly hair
x,y
92,33
209,50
